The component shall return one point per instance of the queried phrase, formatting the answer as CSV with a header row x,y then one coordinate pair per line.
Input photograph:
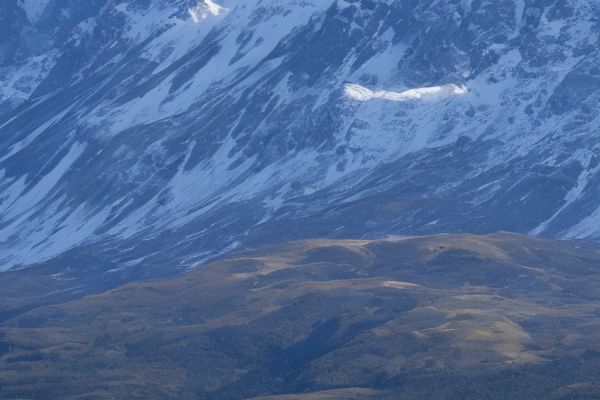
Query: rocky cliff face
x,y
154,130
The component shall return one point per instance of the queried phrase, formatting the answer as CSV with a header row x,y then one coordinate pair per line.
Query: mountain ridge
x,y
149,135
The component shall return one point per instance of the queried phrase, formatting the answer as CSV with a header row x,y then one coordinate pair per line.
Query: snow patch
x,y
362,93
34,9
19,82
205,9
40,191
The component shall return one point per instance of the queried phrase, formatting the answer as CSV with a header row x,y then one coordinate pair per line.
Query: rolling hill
x,y
501,316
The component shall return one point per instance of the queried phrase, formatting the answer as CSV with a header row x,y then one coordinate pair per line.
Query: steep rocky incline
x,y
154,130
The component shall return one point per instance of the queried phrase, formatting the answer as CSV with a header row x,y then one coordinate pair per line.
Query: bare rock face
x,y
153,130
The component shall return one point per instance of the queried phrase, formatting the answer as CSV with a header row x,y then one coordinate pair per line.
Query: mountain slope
x,y
155,130
449,316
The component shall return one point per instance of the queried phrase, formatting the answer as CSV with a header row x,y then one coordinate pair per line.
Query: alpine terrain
x,y
154,130
299,199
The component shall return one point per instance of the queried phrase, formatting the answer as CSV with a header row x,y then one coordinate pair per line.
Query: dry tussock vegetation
x,y
447,316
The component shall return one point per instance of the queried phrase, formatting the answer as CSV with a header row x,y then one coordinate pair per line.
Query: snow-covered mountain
x,y
151,130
